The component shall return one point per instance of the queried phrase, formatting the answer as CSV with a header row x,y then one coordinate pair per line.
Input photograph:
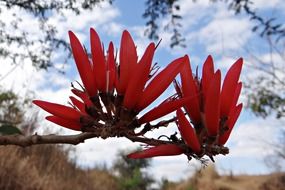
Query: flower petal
x,y
187,132
111,68
58,110
212,105
236,95
83,65
229,86
83,96
80,105
98,59
233,116
128,60
163,109
65,123
159,83
207,74
139,78
189,88
161,150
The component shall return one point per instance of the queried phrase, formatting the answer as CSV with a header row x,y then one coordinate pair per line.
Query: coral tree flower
x,y
113,93
212,110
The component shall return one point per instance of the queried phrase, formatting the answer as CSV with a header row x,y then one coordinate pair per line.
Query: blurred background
x,y
36,63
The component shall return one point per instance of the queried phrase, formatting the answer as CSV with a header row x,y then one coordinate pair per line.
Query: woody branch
x,y
24,141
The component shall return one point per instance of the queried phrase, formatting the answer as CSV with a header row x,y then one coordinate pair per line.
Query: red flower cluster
x,y
122,87
212,110
113,94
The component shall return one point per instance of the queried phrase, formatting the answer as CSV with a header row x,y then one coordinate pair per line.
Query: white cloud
x,y
101,15
250,143
173,167
194,13
223,34
113,29
211,28
96,151
251,138
273,4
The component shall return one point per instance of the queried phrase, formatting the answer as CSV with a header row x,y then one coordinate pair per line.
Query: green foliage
x,y
7,129
156,9
265,100
190,188
130,174
11,113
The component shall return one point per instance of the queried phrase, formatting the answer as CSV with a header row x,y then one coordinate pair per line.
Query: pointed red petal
x,y
161,150
160,82
163,109
234,114
65,123
190,89
139,78
236,95
98,59
229,86
58,110
111,68
187,132
83,96
128,60
80,105
212,105
83,65
207,74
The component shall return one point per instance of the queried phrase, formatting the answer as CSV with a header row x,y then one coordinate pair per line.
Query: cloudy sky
x,y
208,28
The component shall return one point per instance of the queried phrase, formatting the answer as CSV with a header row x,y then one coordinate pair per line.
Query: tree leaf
x,y
8,129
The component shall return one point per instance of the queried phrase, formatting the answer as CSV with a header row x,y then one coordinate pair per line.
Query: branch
x,y
24,141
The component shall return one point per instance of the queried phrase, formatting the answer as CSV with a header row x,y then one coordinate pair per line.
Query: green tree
x,y
132,173
11,114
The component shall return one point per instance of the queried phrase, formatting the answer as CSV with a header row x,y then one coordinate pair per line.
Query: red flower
x,y
187,132
83,65
59,110
112,95
161,150
62,115
213,109
115,93
74,125
163,109
128,60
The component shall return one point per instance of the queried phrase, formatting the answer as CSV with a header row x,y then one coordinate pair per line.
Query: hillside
x,y
47,167
209,179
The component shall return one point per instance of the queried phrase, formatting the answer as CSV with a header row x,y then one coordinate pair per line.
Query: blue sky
x,y
208,28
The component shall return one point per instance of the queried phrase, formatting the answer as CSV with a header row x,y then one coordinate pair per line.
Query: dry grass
x,y
209,179
47,167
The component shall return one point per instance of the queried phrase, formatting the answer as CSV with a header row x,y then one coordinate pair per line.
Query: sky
x,y
208,28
